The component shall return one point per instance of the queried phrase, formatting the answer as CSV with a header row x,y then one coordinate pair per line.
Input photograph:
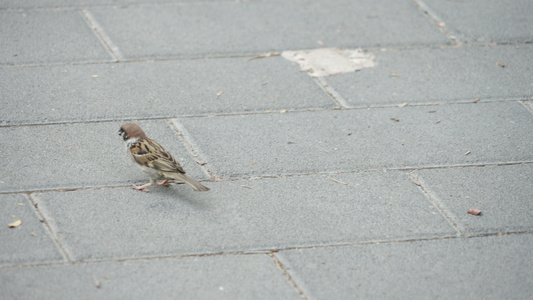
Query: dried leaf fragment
x,y
15,224
474,211
501,64
395,120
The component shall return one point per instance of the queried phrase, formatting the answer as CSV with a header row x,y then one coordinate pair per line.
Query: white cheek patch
x,y
131,142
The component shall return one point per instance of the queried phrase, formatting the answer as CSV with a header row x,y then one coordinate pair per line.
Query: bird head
x,y
131,131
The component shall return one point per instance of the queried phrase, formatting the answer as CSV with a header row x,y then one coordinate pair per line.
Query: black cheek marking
x,y
146,147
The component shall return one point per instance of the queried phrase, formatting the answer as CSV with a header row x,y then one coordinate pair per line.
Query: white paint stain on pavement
x,y
329,61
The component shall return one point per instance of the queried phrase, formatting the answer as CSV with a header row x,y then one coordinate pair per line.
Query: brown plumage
x,y
154,160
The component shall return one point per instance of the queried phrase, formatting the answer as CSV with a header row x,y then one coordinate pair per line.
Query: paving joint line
x,y
191,146
436,20
271,251
255,53
121,6
333,94
449,216
528,106
285,272
100,33
199,115
51,232
400,169
295,175
264,112
69,189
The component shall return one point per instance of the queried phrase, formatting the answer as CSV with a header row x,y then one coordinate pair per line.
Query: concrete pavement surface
x,y
354,185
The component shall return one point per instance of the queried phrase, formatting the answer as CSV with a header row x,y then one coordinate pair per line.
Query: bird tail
x,y
195,185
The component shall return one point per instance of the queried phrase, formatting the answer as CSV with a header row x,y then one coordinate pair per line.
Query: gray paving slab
x,y
486,21
497,267
31,4
27,243
502,193
217,277
154,89
327,141
439,76
79,155
256,27
41,37
241,216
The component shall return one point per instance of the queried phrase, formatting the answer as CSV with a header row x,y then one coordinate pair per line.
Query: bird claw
x,y
141,188
163,183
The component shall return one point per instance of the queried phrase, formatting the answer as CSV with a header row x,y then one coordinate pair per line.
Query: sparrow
x,y
154,160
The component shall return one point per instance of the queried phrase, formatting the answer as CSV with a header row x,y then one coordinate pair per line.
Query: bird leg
x,y
144,186
164,183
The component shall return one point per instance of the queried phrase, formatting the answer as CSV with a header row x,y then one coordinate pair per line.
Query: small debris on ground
x,y
395,120
474,211
403,104
246,186
96,282
266,55
15,224
467,152
337,181
501,64
394,75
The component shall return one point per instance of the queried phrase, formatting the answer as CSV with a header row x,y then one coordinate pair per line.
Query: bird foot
x,y
142,187
163,183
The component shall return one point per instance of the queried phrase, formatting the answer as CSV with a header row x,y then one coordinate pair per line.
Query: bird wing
x,y
148,152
